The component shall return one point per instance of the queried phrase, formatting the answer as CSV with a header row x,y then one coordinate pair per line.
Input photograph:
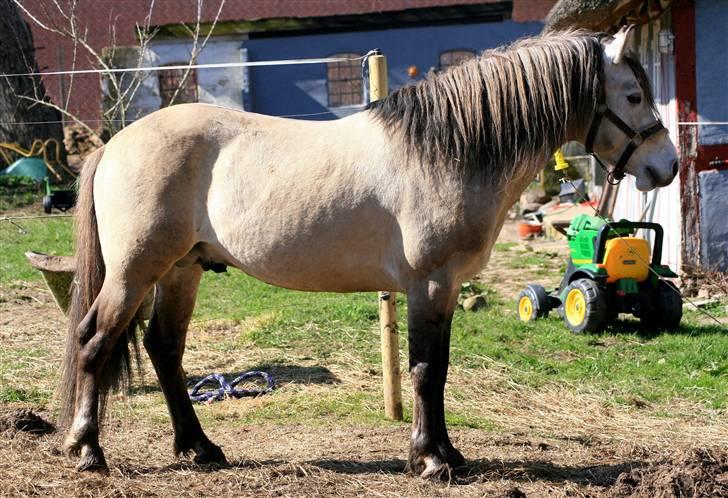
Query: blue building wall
x,y
711,46
302,89
713,216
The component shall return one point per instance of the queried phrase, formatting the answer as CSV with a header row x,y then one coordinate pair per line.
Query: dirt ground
x,y
605,451
352,461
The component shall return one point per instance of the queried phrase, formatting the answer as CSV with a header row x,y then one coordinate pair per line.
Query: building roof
x,y
602,15
492,11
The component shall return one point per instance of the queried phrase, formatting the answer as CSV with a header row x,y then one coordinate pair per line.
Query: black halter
x,y
636,138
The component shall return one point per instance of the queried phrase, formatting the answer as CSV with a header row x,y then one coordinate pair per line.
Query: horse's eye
x,y
634,99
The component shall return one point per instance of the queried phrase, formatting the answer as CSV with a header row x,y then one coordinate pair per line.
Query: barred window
x,y
454,57
345,83
169,81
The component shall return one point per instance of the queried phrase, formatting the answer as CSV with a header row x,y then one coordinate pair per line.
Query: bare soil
x,y
554,442
700,472
25,420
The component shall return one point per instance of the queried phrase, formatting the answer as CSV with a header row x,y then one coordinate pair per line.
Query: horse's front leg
x,y
431,305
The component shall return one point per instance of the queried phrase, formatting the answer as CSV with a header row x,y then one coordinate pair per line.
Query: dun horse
x,y
408,195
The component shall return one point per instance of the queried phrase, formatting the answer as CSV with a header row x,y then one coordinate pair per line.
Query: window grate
x,y
345,83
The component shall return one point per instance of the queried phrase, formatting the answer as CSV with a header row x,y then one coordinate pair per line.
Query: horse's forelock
x,y
501,109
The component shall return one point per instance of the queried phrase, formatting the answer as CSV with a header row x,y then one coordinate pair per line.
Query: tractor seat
x,y
627,257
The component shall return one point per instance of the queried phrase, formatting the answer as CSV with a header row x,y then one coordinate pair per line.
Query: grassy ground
x,y
624,363
629,390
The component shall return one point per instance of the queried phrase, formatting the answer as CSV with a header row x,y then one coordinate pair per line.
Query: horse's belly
x,y
317,265
339,247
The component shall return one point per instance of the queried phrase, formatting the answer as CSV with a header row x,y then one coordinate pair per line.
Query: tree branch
x,y
196,50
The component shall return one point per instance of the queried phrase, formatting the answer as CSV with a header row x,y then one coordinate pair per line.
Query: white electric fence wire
x,y
684,299
220,65
308,114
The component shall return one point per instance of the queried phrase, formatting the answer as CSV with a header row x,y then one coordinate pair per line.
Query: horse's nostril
x,y
674,168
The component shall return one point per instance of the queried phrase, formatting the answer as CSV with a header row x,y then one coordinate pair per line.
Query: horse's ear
x,y
615,49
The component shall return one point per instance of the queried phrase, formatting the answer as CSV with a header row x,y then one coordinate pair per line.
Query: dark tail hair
x,y
90,273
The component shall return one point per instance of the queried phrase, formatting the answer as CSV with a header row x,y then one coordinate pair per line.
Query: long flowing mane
x,y
506,107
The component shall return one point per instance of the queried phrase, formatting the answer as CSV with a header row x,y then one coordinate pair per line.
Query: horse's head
x,y
626,130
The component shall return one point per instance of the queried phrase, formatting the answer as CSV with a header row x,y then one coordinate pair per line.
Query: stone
x,y
475,303
537,194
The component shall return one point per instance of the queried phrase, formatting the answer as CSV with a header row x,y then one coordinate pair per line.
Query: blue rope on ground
x,y
228,390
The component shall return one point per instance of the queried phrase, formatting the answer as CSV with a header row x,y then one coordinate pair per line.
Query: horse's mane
x,y
506,107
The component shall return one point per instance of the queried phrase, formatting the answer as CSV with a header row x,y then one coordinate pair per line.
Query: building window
x,y
454,57
170,80
346,86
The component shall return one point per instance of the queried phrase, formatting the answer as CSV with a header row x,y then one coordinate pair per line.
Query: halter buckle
x,y
638,140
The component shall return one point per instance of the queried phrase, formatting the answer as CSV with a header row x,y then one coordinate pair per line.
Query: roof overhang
x,y
294,26
603,15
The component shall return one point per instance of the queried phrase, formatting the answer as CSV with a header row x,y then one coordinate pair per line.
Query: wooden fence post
x,y
387,300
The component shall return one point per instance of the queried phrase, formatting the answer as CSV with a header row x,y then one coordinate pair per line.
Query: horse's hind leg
x,y
430,308
98,332
165,343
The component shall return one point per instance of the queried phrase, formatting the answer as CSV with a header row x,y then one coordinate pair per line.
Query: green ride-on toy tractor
x,y
609,272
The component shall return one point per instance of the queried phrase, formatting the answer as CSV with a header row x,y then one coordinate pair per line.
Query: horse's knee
x,y
423,377
90,354
94,351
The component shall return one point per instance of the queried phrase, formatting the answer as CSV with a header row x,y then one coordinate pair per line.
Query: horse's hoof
x,y
92,460
209,453
442,465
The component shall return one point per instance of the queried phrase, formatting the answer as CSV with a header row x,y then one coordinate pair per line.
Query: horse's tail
x,y
90,273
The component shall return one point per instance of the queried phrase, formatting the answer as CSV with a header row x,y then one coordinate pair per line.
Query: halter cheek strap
x,y
636,138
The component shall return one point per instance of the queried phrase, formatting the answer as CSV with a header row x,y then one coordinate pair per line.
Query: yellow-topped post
x,y
561,163
391,375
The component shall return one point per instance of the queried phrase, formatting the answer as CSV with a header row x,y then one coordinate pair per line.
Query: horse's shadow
x,y
529,470
496,470
189,466
475,471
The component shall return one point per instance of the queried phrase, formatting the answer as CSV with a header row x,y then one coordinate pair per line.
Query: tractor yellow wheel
x,y
575,307
585,306
525,309
532,303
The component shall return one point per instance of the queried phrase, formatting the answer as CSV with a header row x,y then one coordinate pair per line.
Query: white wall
x,y
662,205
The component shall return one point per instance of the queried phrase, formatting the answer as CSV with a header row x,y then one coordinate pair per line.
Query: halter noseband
x,y
636,138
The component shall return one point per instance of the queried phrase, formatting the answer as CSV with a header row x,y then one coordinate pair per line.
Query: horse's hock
x,y
58,273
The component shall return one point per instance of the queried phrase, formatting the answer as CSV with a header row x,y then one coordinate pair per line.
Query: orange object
x,y
525,229
412,71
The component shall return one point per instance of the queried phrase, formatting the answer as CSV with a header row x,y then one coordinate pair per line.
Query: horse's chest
x,y
450,227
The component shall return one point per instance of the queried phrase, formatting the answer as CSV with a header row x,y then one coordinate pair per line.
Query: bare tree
x,y
22,120
119,87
